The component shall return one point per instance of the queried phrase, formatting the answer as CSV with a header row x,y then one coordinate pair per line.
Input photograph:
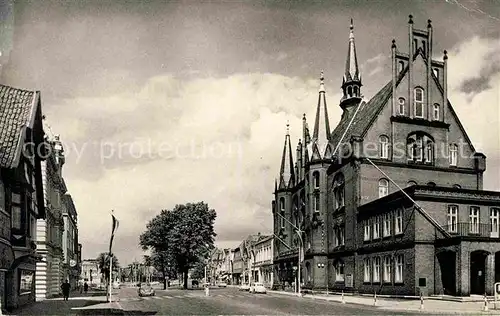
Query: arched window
x,y
436,111
339,190
302,206
384,147
356,91
431,184
383,187
420,148
296,210
316,179
401,109
401,66
418,102
282,212
349,91
453,154
410,183
339,270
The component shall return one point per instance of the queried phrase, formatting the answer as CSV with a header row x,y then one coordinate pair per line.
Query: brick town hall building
x,y
405,217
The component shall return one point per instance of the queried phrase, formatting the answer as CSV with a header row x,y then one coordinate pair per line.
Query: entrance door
x,y
447,263
477,272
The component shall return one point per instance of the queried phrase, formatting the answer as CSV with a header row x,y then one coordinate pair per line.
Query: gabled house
x,y
22,150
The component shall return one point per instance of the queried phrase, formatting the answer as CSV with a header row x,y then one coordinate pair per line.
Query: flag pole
x,y
110,274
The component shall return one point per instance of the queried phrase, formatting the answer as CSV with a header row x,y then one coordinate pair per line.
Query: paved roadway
x,y
230,301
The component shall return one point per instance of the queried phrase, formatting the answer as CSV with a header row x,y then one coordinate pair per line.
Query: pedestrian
x,y
85,287
65,289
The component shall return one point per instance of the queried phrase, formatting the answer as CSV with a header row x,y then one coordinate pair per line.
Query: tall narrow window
x,y
316,203
16,212
316,179
474,220
342,236
436,111
398,278
436,72
387,224
453,154
401,66
367,270
383,188
452,218
420,147
376,227
401,109
338,190
282,212
387,269
398,222
339,271
366,234
494,222
418,102
384,147
429,152
376,269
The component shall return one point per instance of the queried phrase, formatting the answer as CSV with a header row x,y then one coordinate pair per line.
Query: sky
x,y
161,103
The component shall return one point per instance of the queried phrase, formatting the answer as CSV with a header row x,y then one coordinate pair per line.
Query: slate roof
x,y
364,118
16,111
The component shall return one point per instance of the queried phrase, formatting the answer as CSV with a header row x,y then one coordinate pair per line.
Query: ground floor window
x,y
25,281
367,269
399,269
339,271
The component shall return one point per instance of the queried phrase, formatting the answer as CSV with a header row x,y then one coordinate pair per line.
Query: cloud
x,y
217,140
375,65
474,85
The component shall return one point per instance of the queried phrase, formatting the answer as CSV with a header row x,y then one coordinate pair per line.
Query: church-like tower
x,y
351,83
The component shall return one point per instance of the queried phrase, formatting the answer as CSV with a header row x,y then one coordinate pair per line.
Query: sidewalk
x,y
431,305
92,303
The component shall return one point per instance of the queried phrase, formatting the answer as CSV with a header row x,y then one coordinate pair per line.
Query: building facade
x,y
49,231
391,201
264,261
237,264
90,272
21,193
70,241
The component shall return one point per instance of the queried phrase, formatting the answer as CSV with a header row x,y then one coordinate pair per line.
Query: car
x,y
258,288
146,290
222,284
244,287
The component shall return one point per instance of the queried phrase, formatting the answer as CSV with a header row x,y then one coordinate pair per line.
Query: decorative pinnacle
x,y
445,55
288,127
304,117
352,24
393,43
411,19
321,82
429,25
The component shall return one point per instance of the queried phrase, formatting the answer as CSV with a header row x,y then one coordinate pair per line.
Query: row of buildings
x,y
39,246
390,201
251,261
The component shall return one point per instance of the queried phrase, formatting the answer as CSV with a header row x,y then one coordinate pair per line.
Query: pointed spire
x,y
321,132
351,82
351,66
287,172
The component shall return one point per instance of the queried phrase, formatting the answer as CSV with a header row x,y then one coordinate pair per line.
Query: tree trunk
x,y
185,276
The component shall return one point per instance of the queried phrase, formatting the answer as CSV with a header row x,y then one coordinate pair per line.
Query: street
x,y
230,301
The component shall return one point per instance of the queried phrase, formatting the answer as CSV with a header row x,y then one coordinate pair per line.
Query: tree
x,y
198,271
103,265
182,236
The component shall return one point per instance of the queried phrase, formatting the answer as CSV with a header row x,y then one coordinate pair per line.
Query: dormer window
x,y
401,109
436,111
384,147
418,102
